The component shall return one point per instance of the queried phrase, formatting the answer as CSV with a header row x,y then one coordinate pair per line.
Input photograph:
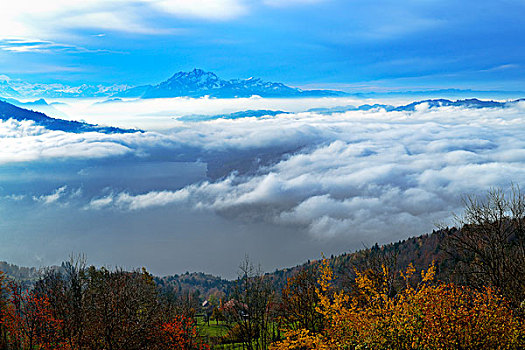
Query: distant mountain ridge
x,y
250,113
10,111
199,83
420,251
411,107
22,89
39,105
196,83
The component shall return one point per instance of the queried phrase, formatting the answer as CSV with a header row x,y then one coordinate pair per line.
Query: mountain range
x,y
39,105
199,83
21,89
411,107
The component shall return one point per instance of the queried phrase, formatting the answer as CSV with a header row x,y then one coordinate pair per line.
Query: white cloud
x,y
370,172
206,9
100,203
284,3
128,22
15,197
305,183
52,19
125,201
23,141
376,173
53,197
163,113
23,45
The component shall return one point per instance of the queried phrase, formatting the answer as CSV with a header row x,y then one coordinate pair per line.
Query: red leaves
x,y
179,333
30,323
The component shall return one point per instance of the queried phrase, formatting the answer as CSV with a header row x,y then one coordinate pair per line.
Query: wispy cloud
x,y
126,201
285,3
205,9
53,197
28,18
60,196
40,46
501,67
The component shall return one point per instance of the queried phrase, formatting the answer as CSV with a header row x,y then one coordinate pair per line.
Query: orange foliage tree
x,y
178,333
423,316
29,322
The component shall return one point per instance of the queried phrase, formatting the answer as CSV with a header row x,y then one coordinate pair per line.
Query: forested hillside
x,y
420,251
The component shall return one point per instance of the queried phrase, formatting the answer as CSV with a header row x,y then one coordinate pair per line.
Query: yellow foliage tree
x,y
424,316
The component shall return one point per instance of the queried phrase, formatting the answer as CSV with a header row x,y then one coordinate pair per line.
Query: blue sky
x,y
352,45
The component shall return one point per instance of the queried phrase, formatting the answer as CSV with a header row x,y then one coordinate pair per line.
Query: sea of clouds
x,y
357,177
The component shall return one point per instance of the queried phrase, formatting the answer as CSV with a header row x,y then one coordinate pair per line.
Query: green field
x,y
213,332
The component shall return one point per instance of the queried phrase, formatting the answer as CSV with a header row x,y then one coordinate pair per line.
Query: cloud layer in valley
x,y
376,173
355,177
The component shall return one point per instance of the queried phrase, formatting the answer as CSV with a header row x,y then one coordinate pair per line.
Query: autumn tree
x,y
179,332
3,308
66,288
111,310
251,307
120,307
29,321
425,315
299,301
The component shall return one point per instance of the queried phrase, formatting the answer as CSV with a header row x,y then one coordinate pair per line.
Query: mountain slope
x,y
9,111
39,105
